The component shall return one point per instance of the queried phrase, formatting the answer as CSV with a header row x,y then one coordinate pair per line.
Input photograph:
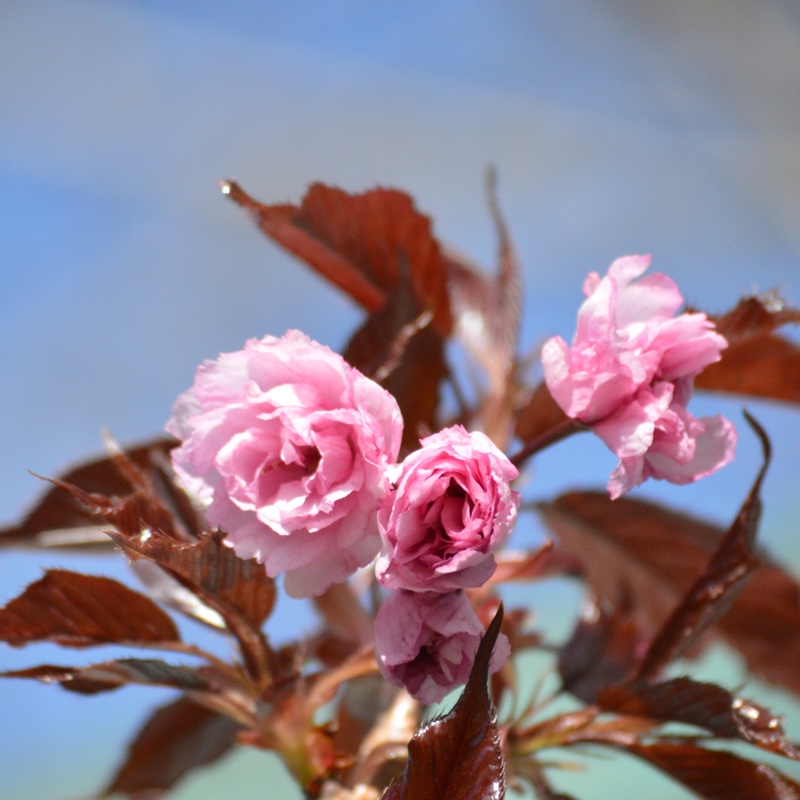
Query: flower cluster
x,y
293,452
629,375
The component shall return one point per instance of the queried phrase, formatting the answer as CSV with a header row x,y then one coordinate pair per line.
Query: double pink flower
x,y
629,375
451,507
288,445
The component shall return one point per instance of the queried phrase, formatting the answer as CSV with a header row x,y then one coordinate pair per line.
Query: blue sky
x,y
616,127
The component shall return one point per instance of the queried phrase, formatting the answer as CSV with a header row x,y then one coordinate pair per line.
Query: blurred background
x,y
616,126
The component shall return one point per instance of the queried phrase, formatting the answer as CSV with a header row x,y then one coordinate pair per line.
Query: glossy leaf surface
x,y
459,755
713,592
80,610
113,674
705,705
399,348
645,557
717,775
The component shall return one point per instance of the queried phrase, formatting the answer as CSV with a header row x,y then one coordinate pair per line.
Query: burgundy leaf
x,y
716,775
61,519
178,738
705,705
757,362
714,591
239,592
486,312
603,650
523,565
407,359
359,242
756,315
212,569
645,557
634,554
80,610
458,755
113,674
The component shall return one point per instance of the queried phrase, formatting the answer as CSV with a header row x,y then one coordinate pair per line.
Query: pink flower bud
x,y
288,446
426,642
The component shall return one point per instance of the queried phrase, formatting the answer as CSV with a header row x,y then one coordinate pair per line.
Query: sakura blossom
x,y
288,447
629,375
451,508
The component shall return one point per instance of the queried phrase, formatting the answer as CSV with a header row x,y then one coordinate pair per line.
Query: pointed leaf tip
x,y
459,756
178,738
723,579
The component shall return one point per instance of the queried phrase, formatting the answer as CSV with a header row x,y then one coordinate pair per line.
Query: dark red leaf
x,y
239,592
757,362
405,357
713,592
359,242
212,570
61,519
705,705
756,315
231,592
540,415
487,309
486,312
603,650
764,626
634,554
113,674
178,738
645,557
716,775
80,610
459,755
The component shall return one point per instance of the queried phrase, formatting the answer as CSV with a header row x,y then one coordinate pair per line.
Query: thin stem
x,y
552,435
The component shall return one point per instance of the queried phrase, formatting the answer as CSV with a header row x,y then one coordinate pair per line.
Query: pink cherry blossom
x,y
288,447
629,375
426,642
654,436
452,507
627,336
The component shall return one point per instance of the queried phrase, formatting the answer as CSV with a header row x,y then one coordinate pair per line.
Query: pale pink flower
x,y
426,642
452,507
627,336
654,436
629,375
288,446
